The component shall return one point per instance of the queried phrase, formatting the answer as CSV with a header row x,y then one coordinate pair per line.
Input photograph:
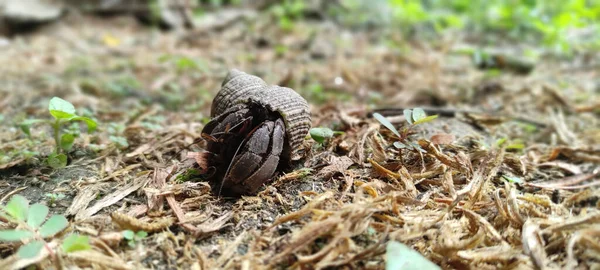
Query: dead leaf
x,y
126,222
442,138
83,198
94,257
110,199
336,165
533,244
213,226
12,163
572,168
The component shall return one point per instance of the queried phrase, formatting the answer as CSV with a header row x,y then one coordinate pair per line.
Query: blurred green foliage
x,y
562,26
559,25
287,11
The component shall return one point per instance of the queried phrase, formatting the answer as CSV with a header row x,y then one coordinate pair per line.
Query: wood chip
x,y
110,199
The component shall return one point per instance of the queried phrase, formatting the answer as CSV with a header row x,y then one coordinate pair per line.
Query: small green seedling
x,y
30,225
322,134
515,145
116,130
75,242
63,113
54,197
513,179
414,117
134,237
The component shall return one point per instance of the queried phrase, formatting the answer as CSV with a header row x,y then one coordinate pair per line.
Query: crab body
x,y
256,129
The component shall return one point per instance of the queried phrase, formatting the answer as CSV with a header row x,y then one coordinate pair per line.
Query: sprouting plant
x,y
515,145
414,117
33,228
30,225
54,197
503,142
322,134
64,113
116,135
75,242
134,237
512,179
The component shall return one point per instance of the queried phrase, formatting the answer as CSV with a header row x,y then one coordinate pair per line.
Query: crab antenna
x,y
229,166
235,154
227,131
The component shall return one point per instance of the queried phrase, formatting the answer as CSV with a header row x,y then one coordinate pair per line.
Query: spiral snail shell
x,y
242,88
255,129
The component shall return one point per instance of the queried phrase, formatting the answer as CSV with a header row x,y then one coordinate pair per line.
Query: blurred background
x,y
307,44
166,59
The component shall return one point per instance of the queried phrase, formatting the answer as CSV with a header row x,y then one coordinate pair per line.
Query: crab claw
x,y
248,144
257,160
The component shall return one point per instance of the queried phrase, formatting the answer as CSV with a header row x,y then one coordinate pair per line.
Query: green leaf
x,y
66,141
37,215
531,128
386,123
517,145
55,196
54,225
320,134
141,235
76,242
415,146
57,161
425,119
26,125
513,179
30,250
408,115
15,235
501,141
402,257
91,124
399,145
418,114
26,129
17,207
61,109
128,234
119,141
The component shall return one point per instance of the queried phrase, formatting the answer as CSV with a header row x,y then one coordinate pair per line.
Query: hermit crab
x,y
255,130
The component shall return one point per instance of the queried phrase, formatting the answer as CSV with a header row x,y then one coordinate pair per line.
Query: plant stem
x,y
56,127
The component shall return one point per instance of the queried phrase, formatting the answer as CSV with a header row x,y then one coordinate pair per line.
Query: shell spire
x,y
239,87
